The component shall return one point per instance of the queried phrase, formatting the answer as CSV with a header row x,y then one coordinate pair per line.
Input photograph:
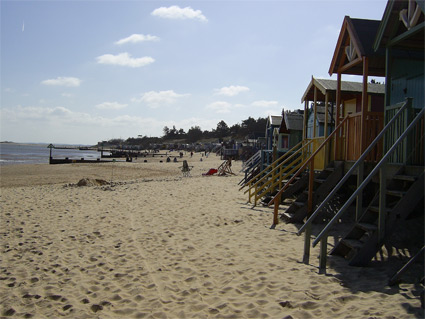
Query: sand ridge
x,y
162,246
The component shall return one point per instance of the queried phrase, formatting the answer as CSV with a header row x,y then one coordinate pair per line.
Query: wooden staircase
x,y
324,181
397,197
269,180
296,187
363,241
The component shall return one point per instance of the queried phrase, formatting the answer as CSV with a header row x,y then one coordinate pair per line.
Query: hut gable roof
x,y
355,41
292,121
320,114
402,34
274,120
347,87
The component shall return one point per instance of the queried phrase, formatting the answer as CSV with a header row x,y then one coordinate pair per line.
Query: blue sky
x,y
79,72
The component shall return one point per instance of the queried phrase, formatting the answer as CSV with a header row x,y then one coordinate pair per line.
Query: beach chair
x,y
225,168
186,169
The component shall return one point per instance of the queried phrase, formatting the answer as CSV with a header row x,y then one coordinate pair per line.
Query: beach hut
x,y
401,35
273,122
354,55
320,120
290,130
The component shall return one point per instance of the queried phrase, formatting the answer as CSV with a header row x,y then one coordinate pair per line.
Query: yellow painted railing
x,y
279,171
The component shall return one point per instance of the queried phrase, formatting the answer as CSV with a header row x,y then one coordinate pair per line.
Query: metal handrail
x,y
252,159
307,162
351,170
369,177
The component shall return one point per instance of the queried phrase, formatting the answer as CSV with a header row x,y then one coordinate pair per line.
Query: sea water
x,y
12,154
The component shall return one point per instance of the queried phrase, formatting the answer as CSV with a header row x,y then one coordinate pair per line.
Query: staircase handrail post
x,y
382,200
307,239
323,254
369,177
276,210
359,201
351,170
310,187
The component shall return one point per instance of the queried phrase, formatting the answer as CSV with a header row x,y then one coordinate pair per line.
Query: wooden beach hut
x,y
290,130
401,35
322,95
354,55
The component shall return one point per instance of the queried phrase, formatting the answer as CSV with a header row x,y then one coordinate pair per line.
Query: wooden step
x,y
299,204
375,209
405,178
367,226
396,193
352,243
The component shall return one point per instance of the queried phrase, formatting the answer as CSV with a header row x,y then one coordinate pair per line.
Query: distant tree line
x,y
240,131
236,131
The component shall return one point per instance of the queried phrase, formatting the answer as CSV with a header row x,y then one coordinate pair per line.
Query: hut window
x,y
285,141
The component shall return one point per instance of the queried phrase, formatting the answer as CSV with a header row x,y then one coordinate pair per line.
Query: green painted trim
x,y
406,34
383,25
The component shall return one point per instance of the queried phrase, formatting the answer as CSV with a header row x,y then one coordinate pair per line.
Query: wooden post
x,y
364,105
310,187
323,254
305,119
325,150
307,238
305,123
338,103
359,199
382,204
276,210
315,112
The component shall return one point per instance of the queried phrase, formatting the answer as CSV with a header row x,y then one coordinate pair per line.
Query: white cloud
x,y
231,90
155,99
175,12
135,38
69,95
220,107
263,103
63,81
124,59
110,106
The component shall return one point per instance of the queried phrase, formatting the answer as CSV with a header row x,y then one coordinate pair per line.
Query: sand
x,y
155,244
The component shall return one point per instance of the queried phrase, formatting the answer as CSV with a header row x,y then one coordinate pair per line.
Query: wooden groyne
x,y
67,160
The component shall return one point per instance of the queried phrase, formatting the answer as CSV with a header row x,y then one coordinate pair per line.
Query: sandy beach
x,y
155,244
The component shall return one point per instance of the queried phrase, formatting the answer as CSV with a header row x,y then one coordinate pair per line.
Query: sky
x,y
79,72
